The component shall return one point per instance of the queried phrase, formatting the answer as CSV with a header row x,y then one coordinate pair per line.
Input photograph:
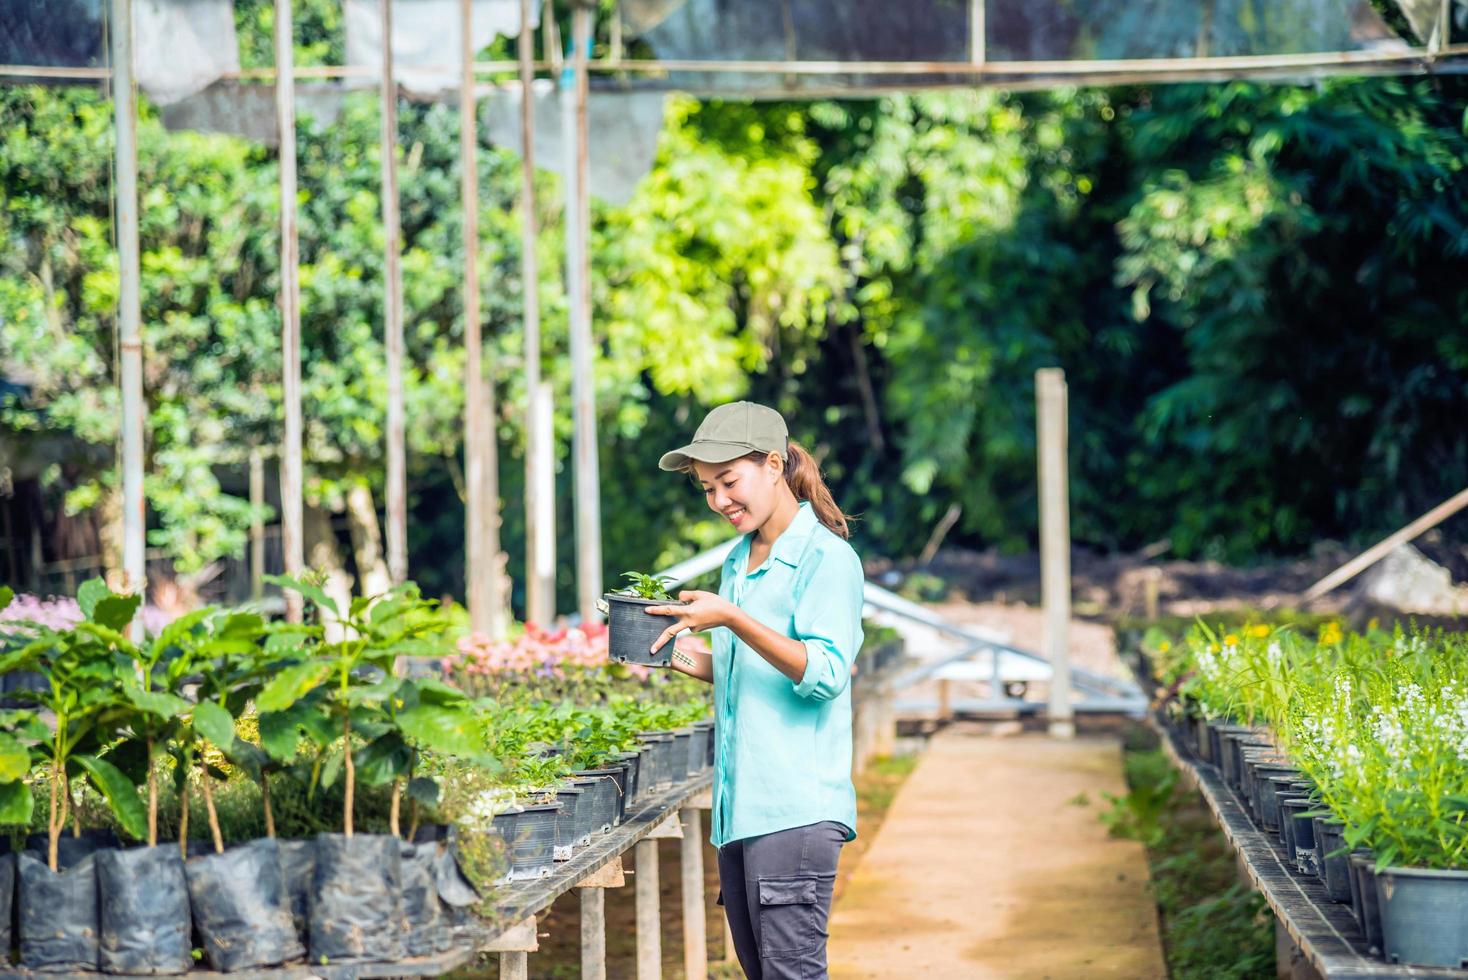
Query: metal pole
x,y
1050,397
593,934
695,935
583,386
540,513
292,522
129,306
482,577
649,920
257,524
976,39
392,311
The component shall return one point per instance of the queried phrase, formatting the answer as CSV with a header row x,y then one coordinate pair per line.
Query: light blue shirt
x,y
783,757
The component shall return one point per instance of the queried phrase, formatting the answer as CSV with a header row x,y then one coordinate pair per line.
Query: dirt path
x,y
984,868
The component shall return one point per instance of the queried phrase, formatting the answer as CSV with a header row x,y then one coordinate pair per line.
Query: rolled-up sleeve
x,y
828,621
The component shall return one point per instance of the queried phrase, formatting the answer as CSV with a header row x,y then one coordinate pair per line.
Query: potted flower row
x,y
1352,750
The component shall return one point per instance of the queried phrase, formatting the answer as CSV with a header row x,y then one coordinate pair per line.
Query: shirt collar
x,y
788,546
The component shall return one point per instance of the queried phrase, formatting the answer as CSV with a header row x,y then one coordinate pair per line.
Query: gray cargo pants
x,y
776,892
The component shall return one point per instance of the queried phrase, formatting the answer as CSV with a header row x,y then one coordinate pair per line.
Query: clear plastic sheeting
x,y
922,34
624,130
248,110
181,46
425,37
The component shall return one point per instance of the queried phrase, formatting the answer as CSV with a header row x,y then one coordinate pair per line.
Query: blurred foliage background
x,y
1259,294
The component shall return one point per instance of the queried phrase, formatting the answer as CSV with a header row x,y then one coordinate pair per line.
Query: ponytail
x,y
804,478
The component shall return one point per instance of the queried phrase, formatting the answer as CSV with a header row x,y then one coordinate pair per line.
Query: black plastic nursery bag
x,y
242,908
144,911
58,914
356,900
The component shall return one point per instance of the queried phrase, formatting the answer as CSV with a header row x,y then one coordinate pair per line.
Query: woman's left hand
x,y
704,610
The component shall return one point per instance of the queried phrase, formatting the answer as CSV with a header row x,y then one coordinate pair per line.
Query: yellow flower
x,y
1214,647
1259,630
1230,640
1331,633
1164,646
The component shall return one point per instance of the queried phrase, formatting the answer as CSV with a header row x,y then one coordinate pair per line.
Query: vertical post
x,y
649,920
257,524
593,934
542,595
977,52
129,302
515,966
540,513
292,523
392,312
1050,397
481,460
583,386
695,936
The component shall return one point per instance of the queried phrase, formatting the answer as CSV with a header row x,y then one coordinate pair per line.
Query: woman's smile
x,y
736,515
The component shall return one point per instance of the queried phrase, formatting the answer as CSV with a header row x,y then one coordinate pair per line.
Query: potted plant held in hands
x,y
632,631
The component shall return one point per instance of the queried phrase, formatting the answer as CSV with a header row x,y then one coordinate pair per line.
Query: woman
x,y
789,606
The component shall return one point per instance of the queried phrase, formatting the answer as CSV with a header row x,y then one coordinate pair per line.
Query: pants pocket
x,y
793,912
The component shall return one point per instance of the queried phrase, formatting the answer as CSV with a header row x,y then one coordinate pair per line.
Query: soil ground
x,y
987,867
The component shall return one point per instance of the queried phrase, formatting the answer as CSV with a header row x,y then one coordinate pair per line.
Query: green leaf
x,y
292,684
15,759
431,690
16,804
116,611
281,731
214,723
312,592
159,703
91,592
120,793
424,790
6,595
455,731
382,760
331,768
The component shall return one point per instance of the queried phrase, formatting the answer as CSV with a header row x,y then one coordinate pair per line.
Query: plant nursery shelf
x,y
525,898
423,966
1323,930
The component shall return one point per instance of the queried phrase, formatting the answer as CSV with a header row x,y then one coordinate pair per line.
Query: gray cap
x,y
731,431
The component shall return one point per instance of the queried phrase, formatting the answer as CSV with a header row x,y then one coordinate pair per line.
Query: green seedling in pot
x,y
646,586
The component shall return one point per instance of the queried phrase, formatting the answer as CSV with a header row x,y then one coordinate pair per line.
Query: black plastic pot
x,y
1330,840
632,632
1202,740
657,748
7,906
569,832
427,926
242,907
143,911
504,825
1307,859
703,738
1424,916
1287,825
682,754
713,741
598,807
58,914
298,870
71,848
632,761
356,909
1363,870
616,801
533,848
1267,778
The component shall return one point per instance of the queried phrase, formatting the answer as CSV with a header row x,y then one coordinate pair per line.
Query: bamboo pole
x,y
540,514
292,478
695,925
392,311
649,919
129,306
481,463
1050,397
257,524
1095,70
583,384
1383,547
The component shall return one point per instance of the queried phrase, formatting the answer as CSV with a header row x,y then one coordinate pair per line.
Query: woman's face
x,y
742,490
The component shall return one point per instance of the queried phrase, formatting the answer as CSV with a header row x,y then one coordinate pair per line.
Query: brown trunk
x,y
351,777
265,805
111,521
367,540
152,800
55,819
213,816
412,818
183,819
324,553
75,811
392,816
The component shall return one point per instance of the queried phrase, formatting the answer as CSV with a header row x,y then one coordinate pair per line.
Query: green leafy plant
x,y
646,586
